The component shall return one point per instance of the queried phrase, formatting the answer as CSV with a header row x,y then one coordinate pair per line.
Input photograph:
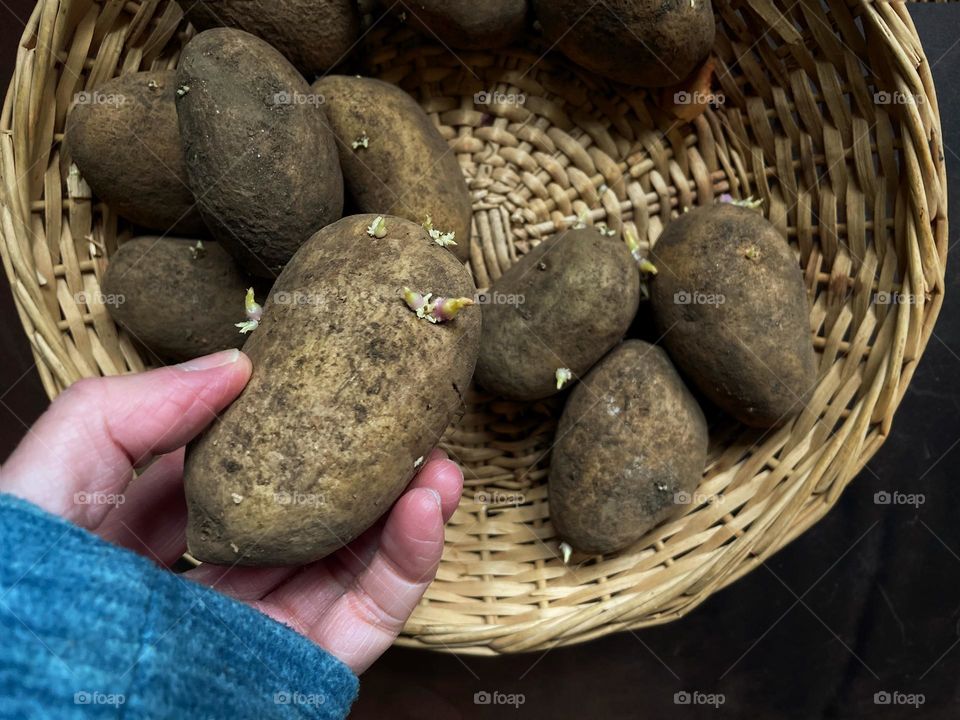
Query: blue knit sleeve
x,y
90,630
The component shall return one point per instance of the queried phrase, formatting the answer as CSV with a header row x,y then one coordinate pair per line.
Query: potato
x,y
731,304
563,305
125,139
179,299
259,156
315,35
631,443
654,43
350,390
465,24
401,165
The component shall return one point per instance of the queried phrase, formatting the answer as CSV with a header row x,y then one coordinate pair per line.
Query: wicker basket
x,y
857,185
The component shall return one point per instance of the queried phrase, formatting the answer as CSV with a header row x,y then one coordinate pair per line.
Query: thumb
x,y
79,457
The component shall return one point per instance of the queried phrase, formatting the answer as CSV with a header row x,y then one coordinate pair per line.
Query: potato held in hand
x,y
393,157
180,298
259,155
631,442
314,34
654,43
730,301
562,306
125,139
350,389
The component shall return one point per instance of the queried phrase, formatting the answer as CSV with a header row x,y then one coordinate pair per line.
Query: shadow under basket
x,y
825,111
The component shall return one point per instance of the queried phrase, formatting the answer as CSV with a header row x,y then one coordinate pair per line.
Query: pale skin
x,y
92,438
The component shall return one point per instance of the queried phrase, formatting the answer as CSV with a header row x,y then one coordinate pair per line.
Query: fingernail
x,y
208,362
436,498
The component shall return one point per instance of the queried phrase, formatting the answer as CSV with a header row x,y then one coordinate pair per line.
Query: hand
x,y
87,445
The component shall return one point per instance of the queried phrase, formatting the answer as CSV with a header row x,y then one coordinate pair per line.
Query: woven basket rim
x,y
685,560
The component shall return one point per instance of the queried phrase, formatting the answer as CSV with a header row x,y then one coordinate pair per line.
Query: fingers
x,y
82,451
152,520
302,601
438,474
299,596
446,478
365,621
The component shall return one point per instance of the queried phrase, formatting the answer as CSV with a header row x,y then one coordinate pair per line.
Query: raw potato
x,y
350,389
731,304
404,167
654,43
179,300
563,305
259,155
315,35
125,139
632,443
465,23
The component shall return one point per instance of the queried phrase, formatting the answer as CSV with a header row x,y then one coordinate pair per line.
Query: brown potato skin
x,y
265,171
630,439
408,169
581,291
752,355
654,43
466,24
349,389
179,303
315,35
130,153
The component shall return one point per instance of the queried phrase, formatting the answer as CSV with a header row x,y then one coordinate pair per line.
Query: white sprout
x,y
378,228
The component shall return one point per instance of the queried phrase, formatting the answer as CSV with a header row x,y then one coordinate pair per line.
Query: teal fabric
x,y
88,630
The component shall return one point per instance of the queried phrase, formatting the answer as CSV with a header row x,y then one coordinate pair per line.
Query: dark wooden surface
x,y
21,395
866,602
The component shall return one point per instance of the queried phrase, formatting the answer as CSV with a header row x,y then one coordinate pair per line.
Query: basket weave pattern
x,y
856,184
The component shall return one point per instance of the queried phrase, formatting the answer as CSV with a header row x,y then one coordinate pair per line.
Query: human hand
x,y
78,462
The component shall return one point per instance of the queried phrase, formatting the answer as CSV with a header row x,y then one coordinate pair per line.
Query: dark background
x,y
865,602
